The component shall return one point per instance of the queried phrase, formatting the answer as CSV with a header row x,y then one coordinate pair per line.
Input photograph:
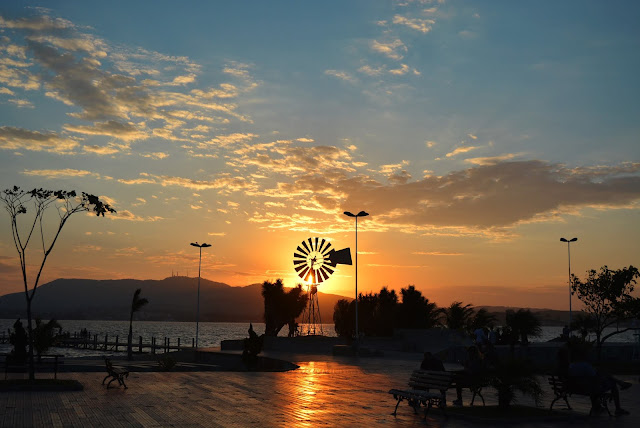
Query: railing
x,y
116,344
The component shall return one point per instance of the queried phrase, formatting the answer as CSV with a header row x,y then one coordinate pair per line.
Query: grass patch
x,y
515,413
11,385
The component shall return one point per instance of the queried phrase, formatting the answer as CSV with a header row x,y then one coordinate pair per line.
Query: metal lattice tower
x,y
311,315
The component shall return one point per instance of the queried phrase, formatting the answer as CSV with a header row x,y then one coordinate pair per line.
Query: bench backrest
x,y
429,379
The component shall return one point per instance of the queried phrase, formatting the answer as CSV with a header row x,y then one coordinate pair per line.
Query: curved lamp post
x,y
360,214
200,246
569,241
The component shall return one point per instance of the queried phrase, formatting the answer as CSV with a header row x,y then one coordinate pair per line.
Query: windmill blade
x,y
299,262
327,249
300,256
311,244
304,244
302,251
321,245
299,268
304,272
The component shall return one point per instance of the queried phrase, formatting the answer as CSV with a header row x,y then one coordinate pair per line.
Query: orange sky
x,y
474,143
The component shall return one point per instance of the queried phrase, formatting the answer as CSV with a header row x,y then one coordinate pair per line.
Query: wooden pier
x,y
115,343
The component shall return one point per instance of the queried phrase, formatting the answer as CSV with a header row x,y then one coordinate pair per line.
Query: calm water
x,y
210,333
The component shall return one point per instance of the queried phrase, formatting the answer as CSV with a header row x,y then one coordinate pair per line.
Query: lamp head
x,y
362,214
347,213
563,240
195,244
205,245
573,240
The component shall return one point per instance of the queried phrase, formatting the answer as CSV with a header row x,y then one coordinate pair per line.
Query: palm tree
x,y
416,311
458,317
136,304
523,324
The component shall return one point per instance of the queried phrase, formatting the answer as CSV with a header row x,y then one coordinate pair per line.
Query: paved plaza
x,y
324,391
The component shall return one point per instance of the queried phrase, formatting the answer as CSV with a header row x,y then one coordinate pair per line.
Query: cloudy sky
x,y
476,134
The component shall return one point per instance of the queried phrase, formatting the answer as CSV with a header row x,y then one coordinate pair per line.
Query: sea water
x,y
211,334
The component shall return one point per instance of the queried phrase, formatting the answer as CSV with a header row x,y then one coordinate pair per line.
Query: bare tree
x,y
18,203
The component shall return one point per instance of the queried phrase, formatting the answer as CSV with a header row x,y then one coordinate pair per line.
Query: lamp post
x,y
200,246
569,241
360,214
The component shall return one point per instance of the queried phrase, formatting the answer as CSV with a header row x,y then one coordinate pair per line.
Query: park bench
x,y
564,386
115,372
42,363
427,388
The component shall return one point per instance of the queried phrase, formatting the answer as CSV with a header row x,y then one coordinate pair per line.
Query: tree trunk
x,y
130,339
32,369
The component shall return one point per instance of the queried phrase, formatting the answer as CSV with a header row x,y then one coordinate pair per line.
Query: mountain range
x,y
170,299
175,299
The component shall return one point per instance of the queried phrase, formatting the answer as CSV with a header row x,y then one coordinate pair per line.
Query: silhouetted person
x,y
293,328
19,341
473,369
598,383
565,332
493,337
430,362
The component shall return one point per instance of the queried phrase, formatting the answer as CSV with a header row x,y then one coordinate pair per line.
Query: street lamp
x,y
360,214
200,246
569,241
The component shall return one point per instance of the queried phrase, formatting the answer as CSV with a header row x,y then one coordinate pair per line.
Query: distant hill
x,y
170,299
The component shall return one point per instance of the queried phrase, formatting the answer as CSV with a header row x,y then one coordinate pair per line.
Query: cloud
x,y
418,24
12,138
393,50
491,160
129,216
122,131
461,150
226,140
60,173
491,196
109,149
294,160
225,182
155,155
436,253
129,93
342,75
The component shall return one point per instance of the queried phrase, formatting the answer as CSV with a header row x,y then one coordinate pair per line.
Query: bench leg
x,y
121,380
397,404
105,378
112,379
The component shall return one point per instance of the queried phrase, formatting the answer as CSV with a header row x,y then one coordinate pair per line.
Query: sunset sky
x,y
476,134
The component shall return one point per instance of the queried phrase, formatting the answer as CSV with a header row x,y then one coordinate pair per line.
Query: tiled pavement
x,y
324,391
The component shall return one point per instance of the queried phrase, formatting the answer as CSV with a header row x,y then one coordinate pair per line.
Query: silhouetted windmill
x,y
315,261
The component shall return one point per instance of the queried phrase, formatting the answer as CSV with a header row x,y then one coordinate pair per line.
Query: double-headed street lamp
x,y
200,246
360,214
569,241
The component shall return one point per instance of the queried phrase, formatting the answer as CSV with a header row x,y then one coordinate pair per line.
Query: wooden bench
x,y
564,386
41,363
428,388
116,373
